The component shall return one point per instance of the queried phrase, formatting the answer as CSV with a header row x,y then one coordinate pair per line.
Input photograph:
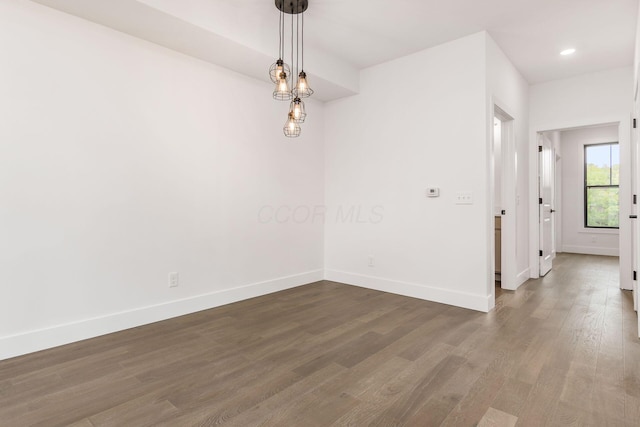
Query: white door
x,y
546,180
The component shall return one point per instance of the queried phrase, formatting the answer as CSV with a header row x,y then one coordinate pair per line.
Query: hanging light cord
x,y
292,42
280,31
297,37
302,62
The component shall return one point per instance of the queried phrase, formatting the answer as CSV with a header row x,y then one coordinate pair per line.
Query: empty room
x,y
319,213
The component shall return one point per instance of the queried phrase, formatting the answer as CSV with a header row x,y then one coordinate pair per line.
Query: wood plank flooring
x,y
562,350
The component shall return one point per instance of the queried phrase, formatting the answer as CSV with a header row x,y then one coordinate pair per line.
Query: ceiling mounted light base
x,y
292,7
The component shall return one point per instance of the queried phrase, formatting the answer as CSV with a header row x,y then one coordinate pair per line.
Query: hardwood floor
x,y
562,350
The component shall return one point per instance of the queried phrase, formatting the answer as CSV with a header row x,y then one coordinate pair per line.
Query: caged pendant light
x,y
291,128
281,73
302,89
297,109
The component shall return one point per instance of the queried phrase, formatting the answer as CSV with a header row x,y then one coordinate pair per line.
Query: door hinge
x,y
539,148
540,253
635,199
635,123
635,275
540,200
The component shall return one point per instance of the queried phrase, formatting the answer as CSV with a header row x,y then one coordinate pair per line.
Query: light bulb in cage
x,y
282,91
291,128
297,109
278,68
302,89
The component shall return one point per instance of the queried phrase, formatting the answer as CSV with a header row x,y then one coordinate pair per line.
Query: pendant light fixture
x,y
282,74
279,67
291,128
302,89
297,109
279,72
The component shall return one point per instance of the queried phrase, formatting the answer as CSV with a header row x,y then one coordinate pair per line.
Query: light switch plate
x,y
464,198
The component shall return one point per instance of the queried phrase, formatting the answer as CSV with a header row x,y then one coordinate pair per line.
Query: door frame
x,y
552,201
624,137
634,151
509,199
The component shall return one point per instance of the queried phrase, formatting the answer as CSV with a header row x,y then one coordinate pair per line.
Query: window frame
x,y
587,187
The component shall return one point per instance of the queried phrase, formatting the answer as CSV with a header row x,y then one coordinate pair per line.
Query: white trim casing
x,y
624,189
509,196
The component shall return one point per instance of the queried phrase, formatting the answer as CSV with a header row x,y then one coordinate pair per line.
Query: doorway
x,y
574,216
546,201
504,200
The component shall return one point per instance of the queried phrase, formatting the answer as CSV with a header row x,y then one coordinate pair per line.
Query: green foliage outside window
x,y
602,177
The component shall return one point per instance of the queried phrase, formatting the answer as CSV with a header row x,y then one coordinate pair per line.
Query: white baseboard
x,y
591,250
429,293
522,277
32,341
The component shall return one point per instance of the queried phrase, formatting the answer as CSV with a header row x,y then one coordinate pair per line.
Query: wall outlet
x,y
174,280
372,261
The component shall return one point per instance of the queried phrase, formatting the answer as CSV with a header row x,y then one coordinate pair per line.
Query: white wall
x,y
385,146
575,237
510,91
591,99
121,161
594,98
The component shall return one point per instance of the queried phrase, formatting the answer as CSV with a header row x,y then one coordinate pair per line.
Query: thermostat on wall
x,y
433,192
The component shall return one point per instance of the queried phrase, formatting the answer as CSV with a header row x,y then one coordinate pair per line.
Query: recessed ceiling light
x,y
568,52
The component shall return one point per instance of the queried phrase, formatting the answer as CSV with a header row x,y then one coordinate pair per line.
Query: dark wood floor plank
x,y
382,397
233,402
512,396
631,409
281,408
529,367
72,404
485,389
140,412
579,386
82,423
413,409
543,398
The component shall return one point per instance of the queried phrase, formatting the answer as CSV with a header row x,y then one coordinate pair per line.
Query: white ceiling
x,y
344,36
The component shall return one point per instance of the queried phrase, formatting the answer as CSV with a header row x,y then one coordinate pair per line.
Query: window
x,y
601,177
